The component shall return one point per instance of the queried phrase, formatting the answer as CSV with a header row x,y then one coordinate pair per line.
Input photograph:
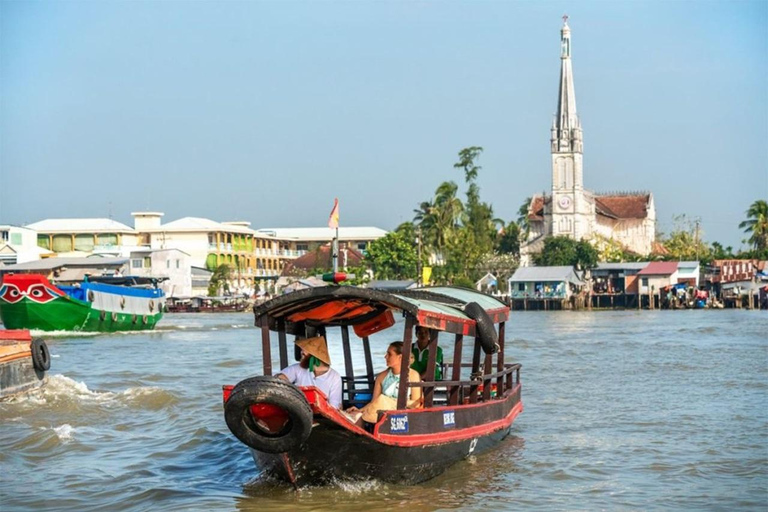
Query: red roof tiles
x,y
623,206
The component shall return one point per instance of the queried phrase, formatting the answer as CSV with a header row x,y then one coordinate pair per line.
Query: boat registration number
x,y
398,423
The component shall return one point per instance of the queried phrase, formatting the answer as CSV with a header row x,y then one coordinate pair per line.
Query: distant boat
x,y
97,304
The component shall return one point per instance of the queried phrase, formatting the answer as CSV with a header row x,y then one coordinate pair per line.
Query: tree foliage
x,y
756,225
219,283
392,257
684,242
563,250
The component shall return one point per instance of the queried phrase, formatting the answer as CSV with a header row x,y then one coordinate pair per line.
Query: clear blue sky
x,y
266,111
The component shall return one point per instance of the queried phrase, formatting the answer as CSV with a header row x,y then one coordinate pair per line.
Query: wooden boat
x,y
98,304
23,362
294,434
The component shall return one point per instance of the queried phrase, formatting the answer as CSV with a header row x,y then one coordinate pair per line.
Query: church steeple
x,y
566,127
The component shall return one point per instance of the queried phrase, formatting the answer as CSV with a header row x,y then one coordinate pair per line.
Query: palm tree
x,y
757,225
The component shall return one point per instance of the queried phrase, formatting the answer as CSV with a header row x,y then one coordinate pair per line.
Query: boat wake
x,y
61,390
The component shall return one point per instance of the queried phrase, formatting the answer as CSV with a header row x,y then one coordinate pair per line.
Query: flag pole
x,y
336,251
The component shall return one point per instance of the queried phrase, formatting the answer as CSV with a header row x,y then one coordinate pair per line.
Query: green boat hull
x,y
69,314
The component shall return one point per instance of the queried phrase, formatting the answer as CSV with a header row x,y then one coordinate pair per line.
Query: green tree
x,y
219,282
718,252
508,241
563,250
392,257
684,242
439,218
756,226
478,216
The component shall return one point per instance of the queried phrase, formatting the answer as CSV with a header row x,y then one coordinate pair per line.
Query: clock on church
x,y
564,202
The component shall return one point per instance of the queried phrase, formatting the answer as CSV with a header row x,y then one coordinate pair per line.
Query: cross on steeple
x,y
565,19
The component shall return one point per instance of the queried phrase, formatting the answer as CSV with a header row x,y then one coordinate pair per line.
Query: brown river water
x,y
624,410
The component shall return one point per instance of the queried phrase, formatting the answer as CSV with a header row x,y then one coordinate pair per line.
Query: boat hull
x,y
101,308
335,452
17,371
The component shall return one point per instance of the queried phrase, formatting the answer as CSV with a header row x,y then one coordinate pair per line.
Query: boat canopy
x,y
370,310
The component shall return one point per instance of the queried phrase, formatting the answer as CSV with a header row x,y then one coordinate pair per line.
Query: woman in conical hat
x,y
314,369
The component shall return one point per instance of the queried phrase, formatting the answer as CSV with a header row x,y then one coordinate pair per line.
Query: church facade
x,y
571,210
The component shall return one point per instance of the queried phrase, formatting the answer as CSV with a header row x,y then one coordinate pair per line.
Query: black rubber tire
x,y
274,391
41,356
484,330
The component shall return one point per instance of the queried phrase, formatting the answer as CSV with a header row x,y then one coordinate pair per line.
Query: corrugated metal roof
x,y
325,234
659,268
52,263
627,265
562,273
80,226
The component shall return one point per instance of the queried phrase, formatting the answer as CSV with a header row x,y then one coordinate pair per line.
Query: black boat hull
x,y
335,452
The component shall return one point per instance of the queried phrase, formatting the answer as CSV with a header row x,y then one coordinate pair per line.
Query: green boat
x,y
97,304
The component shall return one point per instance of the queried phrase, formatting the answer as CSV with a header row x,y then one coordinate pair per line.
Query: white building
x,y
83,237
571,210
19,245
302,240
170,263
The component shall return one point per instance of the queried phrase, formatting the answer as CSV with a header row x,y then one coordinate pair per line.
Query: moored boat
x,y
97,304
23,362
295,434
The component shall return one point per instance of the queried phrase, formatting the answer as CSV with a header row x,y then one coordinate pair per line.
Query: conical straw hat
x,y
317,347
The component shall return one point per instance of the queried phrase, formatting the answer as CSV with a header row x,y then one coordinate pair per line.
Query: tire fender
x,y
41,356
270,391
484,330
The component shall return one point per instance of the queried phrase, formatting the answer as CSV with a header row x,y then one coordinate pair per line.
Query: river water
x,y
627,410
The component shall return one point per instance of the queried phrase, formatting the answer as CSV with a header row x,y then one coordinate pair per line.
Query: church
x,y
570,209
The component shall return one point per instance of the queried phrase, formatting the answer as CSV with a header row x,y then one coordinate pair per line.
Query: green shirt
x,y
421,357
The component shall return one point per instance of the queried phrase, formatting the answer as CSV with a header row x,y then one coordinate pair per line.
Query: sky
x,y
267,111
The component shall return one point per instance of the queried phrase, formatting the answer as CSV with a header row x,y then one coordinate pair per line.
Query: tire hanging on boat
x,y
41,356
275,394
484,330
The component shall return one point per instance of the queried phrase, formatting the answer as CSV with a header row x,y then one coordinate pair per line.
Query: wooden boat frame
x,y
460,416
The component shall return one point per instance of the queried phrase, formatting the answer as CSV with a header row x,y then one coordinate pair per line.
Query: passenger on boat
x,y
386,388
314,369
420,354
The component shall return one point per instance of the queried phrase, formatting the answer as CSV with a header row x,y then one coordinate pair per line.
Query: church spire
x,y
566,128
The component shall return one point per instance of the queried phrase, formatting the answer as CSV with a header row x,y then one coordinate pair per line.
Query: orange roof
x,y
321,258
623,206
536,208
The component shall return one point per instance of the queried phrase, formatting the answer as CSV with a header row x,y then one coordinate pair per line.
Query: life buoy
x,y
114,317
102,316
90,296
484,331
151,305
134,319
144,319
41,357
268,414
122,302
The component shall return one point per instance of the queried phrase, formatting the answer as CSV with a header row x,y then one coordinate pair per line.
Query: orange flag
x,y
333,220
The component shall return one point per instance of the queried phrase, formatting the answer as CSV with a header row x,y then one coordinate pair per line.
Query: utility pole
x,y
697,238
